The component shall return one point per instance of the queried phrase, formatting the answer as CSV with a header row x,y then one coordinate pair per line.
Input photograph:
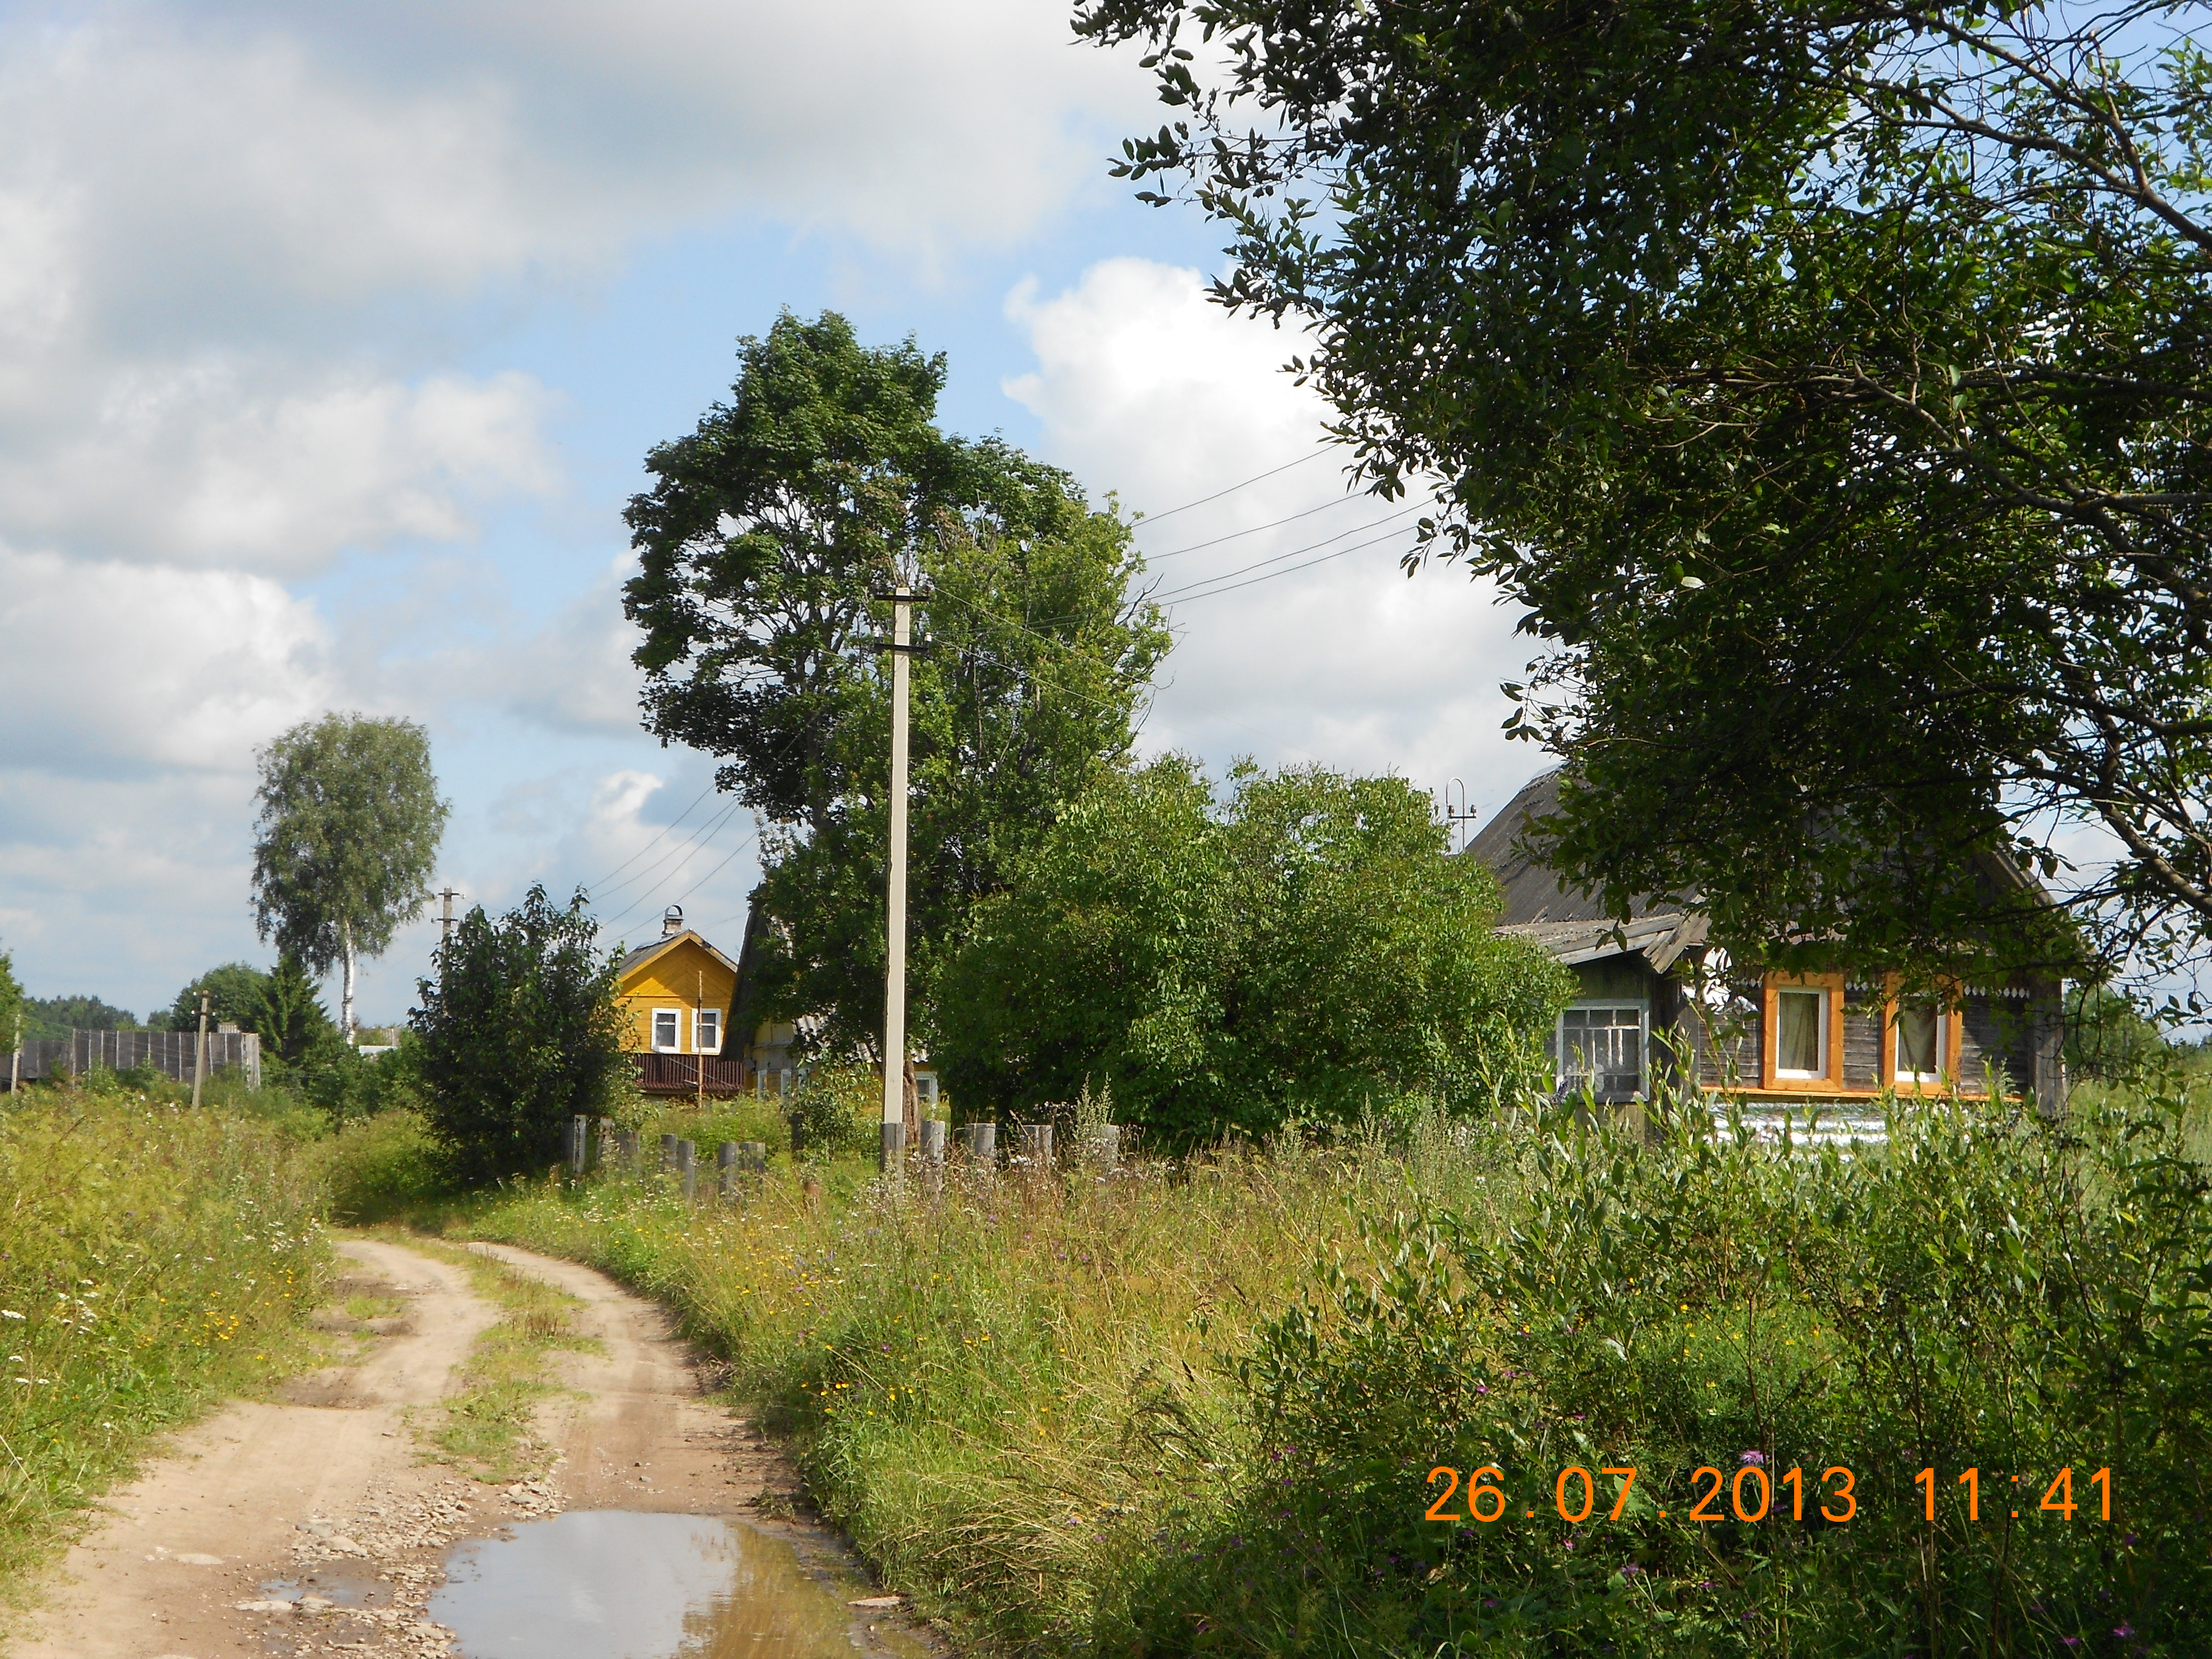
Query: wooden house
x,y
677,993
1655,997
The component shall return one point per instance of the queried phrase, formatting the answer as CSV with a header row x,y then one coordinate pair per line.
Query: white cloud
x,y
1144,387
110,667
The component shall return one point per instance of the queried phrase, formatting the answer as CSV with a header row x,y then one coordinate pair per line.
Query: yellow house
x,y
675,993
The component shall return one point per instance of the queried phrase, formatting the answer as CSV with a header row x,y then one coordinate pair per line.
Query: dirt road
x,y
311,1524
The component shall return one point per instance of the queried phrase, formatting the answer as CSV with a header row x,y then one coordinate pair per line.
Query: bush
x,y
837,1110
518,1033
1988,1294
1304,952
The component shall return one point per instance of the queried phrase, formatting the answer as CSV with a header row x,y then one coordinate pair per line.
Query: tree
x,y
279,1006
13,1018
346,842
56,1016
518,1033
767,534
1305,950
1829,382
234,992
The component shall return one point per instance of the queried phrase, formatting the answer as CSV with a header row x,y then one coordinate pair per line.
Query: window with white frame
x,y
709,1030
1800,1033
1919,1042
1599,1046
667,1030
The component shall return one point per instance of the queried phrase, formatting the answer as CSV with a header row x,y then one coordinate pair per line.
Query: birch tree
x,y
346,842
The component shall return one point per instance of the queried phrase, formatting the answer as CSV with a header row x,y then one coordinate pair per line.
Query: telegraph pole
x,y
445,922
902,647
199,1059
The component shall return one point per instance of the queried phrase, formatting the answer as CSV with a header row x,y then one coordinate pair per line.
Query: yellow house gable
x,y
677,994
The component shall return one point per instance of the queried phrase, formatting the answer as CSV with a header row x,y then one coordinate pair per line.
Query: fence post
x,y
726,1168
687,1162
980,1141
753,1154
1037,1146
579,1143
667,1153
1101,1146
932,1141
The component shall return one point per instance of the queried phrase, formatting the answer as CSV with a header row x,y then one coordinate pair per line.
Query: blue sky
x,y
332,339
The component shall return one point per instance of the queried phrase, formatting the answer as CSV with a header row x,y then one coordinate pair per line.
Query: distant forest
x,y
56,1016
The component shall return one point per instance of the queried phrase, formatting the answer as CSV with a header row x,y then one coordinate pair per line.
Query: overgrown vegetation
x,y
1302,949
152,1259
1193,1408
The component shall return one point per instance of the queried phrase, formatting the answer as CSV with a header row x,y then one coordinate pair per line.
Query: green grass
x,y
1002,1391
153,1259
1191,1409
486,1427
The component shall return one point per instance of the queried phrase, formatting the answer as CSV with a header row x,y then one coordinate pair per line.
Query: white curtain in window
x,y
1797,1047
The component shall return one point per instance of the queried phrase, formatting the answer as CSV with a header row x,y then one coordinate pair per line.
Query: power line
x,y
708,830
1157,558
655,841
1154,518
643,900
1188,598
1277,558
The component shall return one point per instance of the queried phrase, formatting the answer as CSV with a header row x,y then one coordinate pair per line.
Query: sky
x,y
332,338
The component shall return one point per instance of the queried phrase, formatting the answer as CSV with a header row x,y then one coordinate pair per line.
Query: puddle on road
x,y
610,1584
336,1582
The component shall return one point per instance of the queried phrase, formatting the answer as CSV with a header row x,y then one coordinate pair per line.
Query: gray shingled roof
x,y
1573,926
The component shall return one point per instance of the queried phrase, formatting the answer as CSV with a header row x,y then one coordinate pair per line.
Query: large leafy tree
x,y
279,1006
346,842
1828,380
1304,949
518,1033
768,533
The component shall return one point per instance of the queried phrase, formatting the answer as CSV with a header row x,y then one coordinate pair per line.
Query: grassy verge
x,y
152,1259
486,1427
1004,1392
1192,1409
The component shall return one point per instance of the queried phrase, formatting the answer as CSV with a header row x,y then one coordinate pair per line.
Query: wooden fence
x,y
170,1053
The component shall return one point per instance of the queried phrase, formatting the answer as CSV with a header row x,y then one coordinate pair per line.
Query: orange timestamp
x,y
1750,1495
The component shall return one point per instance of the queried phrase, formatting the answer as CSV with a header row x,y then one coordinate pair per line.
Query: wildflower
x,y
1756,1459
1629,1570
2124,1632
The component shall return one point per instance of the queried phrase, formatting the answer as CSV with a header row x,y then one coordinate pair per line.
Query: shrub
x,y
1987,1293
518,1033
1305,950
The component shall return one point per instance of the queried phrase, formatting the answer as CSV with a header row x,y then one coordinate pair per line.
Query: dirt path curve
x,y
308,1525
637,1434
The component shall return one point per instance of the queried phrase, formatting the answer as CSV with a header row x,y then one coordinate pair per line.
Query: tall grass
x,y
1192,1408
152,1259
1003,1389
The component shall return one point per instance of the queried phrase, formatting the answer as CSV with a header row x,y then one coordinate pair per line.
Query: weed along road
x,y
511,1457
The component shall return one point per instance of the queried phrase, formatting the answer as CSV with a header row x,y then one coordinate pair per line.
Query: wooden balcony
x,y
679,1075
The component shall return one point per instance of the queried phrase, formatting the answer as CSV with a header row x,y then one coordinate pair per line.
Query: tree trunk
x,y
912,1103
345,996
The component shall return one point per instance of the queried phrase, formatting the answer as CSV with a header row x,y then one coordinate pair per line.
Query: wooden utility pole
x,y
199,1058
16,1062
902,647
445,922
699,1049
